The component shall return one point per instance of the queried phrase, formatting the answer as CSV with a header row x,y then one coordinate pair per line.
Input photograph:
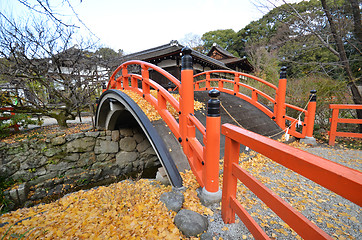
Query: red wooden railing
x,y
338,178
11,110
335,120
203,158
278,114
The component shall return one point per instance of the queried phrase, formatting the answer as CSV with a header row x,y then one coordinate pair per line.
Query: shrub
x,y
329,91
23,120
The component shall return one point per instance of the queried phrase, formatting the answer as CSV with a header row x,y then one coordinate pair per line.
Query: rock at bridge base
x,y
173,200
162,176
190,223
308,141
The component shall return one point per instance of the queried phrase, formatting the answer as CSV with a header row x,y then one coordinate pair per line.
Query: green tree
x,y
107,53
224,38
318,37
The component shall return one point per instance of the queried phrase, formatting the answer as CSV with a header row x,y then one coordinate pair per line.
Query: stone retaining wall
x,y
62,163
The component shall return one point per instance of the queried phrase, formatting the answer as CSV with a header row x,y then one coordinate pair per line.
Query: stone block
x,y
125,132
86,159
127,144
50,152
62,166
141,147
101,157
74,136
123,158
139,137
58,140
43,178
9,168
80,145
115,135
106,147
73,157
41,171
34,162
71,173
19,194
150,151
92,134
23,175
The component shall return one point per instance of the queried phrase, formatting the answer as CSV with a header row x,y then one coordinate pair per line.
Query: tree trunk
x,y
357,98
62,118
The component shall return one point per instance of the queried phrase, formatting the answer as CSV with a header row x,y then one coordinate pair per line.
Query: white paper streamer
x,y
299,122
287,135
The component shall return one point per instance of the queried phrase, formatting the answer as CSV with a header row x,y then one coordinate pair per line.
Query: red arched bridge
x,y
200,139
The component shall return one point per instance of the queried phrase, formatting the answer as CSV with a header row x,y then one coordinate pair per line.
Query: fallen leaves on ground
x,y
124,210
42,132
150,110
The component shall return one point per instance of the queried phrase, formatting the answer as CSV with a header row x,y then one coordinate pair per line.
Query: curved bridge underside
x,y
117,110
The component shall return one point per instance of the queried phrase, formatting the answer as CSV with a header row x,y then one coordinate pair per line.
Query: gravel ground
x,y
335,215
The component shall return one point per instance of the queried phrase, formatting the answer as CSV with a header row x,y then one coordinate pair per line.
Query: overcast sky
x,y
141,24
135,25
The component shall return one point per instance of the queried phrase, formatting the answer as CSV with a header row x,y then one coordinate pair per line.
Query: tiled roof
x,y
173,48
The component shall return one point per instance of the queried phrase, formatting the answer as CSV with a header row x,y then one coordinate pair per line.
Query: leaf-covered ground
x,y
124,210
42,132
151,112
132,210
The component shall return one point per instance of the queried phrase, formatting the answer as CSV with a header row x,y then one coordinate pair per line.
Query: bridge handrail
x,y
335,120
278,114
144,65
160,90
238,74
163,96
340,179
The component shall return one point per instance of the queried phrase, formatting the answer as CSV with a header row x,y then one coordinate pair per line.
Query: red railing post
x,y
145,81
280,99
207,82
231,156
186,97
312,106
236,85
212,144
124,81
333,128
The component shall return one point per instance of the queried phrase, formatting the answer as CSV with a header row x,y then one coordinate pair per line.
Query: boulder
x,y
190,223
173,200
123,158
127,144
